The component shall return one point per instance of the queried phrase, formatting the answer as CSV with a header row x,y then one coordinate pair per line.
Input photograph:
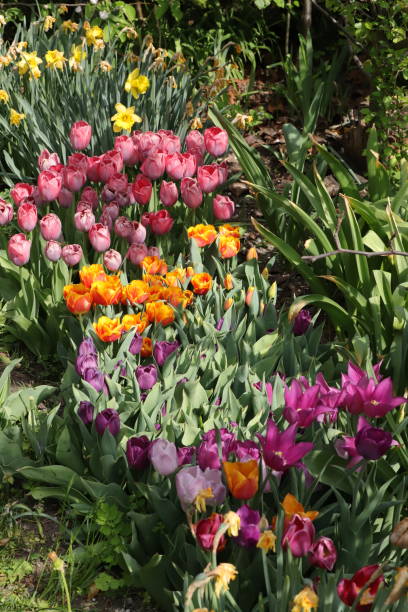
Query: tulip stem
x,y
267,580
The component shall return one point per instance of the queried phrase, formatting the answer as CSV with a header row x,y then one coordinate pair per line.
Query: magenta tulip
x,y
92,171
298,535
161,222
89,194
142,189
323,553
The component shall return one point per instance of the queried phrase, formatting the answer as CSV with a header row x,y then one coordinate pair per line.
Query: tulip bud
x,y
99,237
265,273
50,227
248,296
223,207
228,282
137,235
261,307
112,260
272,291
72,254
27,216
228,303
53,250
168,193
252,253
216,141
136,253
80,135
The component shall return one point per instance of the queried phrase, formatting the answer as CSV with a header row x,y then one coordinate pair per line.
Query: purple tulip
x,y
279,450
246,450
219,324
249,532
268,388
137,452
207,452
96,378
323,553
302,322
163,456
136,345
84,362
108,419
191,480
87,347
373,442
146,376
185,454
163,350
305,404
86,412
298,535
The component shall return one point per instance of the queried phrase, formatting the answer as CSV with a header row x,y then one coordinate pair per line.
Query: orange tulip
x,y
176,276
291,506
69,288
228,282
248,295
229,230
242,478
228,303
189,271
252,253
78,300
202,283
107,292
108,330
147,347
188,298
91,274
156,292
228,246
159,312
174,295
154,265
136,292
202,234
139,320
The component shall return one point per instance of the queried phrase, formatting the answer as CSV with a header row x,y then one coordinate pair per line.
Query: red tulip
x,y
191,193
18,249
72,254
142,189
99,237
50,227
348,589
206,529
117,157
80,135
216,141
161,222
92,171
168,193
49,185
27,216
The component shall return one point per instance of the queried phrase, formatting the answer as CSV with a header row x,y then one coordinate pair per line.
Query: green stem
x,y
267,581
66,590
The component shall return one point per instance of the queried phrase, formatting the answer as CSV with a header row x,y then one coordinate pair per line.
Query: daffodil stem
x,y
66,590
267,581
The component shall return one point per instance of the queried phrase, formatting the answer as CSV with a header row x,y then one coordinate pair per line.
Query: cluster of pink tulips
x,y
155,154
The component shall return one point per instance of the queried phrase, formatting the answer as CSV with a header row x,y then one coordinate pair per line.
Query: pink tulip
x,y
84,220
216,141
81,206
27,216
6,212
107,195
126,145
161,222
175,166
170,142
191,193
111,209
148,142
117,157
37,197
168,193
106,168
118,182
80,135
222,172
50,227
74,178
122,198
142,189
323,553
21,191
137,233
92,171
49,185
130,196
190,164
65,198
207,177
145,219
72,254
78,160
123,227
154,165
298,535
99,237
136,253
89,194
53,250
223,207
163,456
153,251
106,219
18,249
112,260
47,160
195,142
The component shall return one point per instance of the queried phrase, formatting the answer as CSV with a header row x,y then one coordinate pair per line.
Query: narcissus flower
x,y
201,282
124,118
267,541
55,59
223,574
16,118
4,97
29,63
137,83
202,234
242,478
234,523
93,35
108,330
69,26
305,601
49,22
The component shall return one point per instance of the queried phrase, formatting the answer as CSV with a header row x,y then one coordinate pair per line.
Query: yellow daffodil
x,y
4,97
93,34
305,601
223,574
196,124
77,55
200,498
105,66
15,117
23,44
29,63
5,60
2,20
99,44
137,83
242,120
267,541
62,9
124,118
69,26
189,109
49,23
55,59
234,523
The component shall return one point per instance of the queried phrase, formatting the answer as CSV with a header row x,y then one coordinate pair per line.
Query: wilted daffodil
x,y
77,55
15,117
124,118
137,83
29,63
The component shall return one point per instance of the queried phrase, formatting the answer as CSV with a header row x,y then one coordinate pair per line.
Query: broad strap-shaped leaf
x,y
340,318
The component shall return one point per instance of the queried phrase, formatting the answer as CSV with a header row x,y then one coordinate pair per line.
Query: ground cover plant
x,y
208,442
